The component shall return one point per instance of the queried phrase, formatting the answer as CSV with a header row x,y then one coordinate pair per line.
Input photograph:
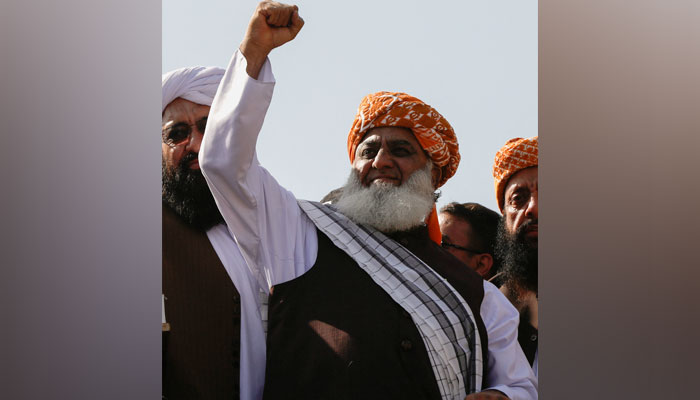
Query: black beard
x,y
186,192
518,258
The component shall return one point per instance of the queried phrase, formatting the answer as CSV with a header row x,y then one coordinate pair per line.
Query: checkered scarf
x,y
442,316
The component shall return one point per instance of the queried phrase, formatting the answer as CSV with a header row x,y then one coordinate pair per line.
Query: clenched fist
x,y
272,25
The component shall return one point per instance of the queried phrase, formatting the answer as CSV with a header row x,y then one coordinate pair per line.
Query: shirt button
x,y
406,345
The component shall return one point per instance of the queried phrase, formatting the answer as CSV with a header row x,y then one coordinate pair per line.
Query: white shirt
x,y
253,313
279,242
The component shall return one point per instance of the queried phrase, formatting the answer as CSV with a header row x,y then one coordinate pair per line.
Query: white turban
x,y
196,84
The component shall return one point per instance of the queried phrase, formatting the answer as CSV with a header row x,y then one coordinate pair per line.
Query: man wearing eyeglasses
x,y
210,307
469,233
515,175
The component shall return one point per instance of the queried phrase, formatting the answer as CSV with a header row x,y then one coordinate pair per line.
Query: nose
x,y
532,207
195,141
382,160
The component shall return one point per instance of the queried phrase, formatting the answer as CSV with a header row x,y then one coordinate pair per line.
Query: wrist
x,y
252,51
255,58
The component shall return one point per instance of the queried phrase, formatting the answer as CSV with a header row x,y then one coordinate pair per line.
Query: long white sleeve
x,y
508,369
253,314
277,242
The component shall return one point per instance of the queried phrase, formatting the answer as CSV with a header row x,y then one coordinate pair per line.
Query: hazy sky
x,y
474,61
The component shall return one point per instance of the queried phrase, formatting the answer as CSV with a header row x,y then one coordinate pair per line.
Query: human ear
x,y
484,264
436,174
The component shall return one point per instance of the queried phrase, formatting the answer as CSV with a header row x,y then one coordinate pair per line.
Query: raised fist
x,y
272,25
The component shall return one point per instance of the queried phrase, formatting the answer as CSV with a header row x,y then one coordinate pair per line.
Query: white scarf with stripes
x,y
442,316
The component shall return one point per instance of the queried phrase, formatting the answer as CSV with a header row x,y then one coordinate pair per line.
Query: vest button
x,y
406,345
533,337
405,313
403,241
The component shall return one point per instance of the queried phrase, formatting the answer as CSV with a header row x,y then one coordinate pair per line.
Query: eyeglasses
x,y
181,133
445,245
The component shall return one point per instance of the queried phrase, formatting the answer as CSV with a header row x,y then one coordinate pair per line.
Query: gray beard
x,y
386,207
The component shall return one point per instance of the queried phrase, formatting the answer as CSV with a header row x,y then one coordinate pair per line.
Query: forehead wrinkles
x,y
525,178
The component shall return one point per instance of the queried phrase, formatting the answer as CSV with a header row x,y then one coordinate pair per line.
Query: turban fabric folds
x,y
431,129
517,154
196,84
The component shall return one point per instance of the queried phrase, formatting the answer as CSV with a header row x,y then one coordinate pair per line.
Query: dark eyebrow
x,y
174,125
521,190
183,123
370,142
400,142
395,142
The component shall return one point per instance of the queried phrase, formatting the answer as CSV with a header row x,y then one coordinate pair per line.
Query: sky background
x,y
473,61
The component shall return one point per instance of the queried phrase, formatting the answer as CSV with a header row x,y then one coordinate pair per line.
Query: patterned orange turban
x,y
431,129
515,155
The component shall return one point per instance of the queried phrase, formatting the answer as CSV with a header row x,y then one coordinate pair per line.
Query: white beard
x,y
386,207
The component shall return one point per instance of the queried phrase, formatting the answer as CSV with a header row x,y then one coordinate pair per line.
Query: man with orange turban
x,y
364,304
515,174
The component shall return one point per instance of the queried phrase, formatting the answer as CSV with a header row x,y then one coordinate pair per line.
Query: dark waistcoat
x,y
335,334
527,337
202,306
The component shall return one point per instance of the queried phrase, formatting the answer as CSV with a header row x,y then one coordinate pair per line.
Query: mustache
x,y
522,229
186,159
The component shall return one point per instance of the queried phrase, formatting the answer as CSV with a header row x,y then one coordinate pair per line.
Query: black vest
x,y
335,334
527,337
202,306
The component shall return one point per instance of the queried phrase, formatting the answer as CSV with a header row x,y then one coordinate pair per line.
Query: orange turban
x,y
515,155
431,129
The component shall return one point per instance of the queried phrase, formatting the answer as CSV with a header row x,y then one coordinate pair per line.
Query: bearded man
x,y
365,304
515,173
206,354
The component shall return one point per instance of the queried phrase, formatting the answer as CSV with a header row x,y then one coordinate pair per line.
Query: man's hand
x,y
487,395
272,25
